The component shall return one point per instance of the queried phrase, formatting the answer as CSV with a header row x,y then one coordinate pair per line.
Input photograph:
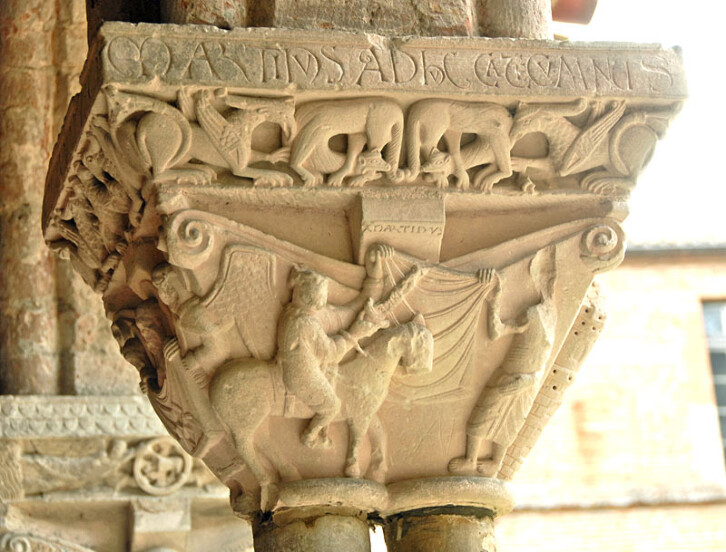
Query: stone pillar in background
x,y
515,18
28,320
332,363
226,14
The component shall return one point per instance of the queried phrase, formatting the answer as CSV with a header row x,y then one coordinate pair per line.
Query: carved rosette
x,y
352,271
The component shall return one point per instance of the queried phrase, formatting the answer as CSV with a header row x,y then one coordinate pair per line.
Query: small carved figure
x,y
502,408
166,139
304,349
431,120
362,385
370,125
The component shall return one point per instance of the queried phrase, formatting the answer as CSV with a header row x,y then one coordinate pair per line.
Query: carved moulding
x,y
345,264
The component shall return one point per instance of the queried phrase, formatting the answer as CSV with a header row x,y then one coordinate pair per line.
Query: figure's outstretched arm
x,y
497,327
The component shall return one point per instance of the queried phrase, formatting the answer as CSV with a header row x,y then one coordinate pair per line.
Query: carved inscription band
x,y
274,59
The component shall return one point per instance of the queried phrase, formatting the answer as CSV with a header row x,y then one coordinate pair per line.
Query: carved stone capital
x,y
355,273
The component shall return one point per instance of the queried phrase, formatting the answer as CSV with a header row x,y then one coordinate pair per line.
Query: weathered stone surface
x,y
28,325
415,18
431,531
226,14
515,18
223,196
323,533
33,417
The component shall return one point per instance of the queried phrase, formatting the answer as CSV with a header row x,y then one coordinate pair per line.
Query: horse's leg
x,y
246,449
357,428
287,471
379,444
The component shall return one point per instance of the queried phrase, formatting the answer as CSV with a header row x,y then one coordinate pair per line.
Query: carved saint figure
x,y
305,350
431,120
502,408
370,125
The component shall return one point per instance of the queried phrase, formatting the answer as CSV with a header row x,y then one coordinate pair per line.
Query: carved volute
x,y
355,273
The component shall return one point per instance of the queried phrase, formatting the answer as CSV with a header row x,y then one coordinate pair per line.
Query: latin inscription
x,y
403,228
256,63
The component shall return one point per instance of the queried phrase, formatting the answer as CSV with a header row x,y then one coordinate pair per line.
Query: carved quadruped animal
x,y
166,138
431,120
245,392
371,125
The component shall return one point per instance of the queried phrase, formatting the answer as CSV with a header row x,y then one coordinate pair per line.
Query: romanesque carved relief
x,y
582,336
167,138
354,262
267,316
369,125
607,151
26,542
431,120
158,467
501,409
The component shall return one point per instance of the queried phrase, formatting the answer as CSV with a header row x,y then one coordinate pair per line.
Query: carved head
x,y
419,355
535,117
309,288
169,285
93,158
439,162
372,161
281,112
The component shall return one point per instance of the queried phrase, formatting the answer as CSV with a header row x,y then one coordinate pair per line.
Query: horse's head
x,y
418,357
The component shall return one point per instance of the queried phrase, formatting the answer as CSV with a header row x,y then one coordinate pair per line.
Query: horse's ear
x,y
419,319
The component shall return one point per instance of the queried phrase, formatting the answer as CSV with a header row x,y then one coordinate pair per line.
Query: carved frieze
x,y
357,261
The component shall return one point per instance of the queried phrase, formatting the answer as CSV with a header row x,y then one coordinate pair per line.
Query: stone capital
x,y
355,273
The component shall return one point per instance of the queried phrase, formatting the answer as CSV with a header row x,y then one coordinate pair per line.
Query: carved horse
x,y
245,392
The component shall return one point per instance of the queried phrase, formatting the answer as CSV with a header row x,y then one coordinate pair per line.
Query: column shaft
x,y
322,533
28,326
515,18
435,532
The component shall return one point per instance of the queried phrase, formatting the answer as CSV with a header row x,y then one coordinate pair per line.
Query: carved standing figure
x,y
370,125
503,405
431,120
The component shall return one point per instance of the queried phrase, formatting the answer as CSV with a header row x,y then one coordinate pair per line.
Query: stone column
x,y
222,13
515,18
435,530
28,319
313,531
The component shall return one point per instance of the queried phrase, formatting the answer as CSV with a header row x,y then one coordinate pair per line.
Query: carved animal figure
x,y
431,120
245,392
370,124
574,149
165,138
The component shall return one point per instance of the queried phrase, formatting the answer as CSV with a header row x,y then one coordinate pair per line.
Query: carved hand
x,y
490,278
375,257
